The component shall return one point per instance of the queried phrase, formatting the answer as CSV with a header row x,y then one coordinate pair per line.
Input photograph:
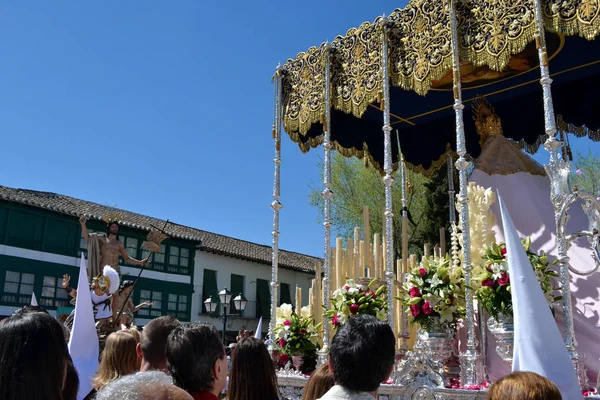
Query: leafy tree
x,y
355,186
587,176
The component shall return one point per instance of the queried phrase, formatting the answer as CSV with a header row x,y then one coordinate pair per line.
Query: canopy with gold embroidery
x,y
499,61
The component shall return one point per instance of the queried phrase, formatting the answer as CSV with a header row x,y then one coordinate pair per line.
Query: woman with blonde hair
x,y
119,358
524,386
319,383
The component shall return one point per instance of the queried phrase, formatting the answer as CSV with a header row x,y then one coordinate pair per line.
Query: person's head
x,y
319,383
524,386
252,374
34,357
30,309
196,358
113,229
150,385
151,349
118,359
71,386
362,353
126,287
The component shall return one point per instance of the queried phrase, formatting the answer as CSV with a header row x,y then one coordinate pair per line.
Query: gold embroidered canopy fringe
x,y
492,36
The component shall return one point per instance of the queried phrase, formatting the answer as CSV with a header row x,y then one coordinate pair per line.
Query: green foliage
x,y
494,293
589,180
353,299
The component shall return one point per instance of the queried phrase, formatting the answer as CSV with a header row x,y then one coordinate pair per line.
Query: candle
x,y
367,238
350,259
311,303
298,299
362,259
443,241
399,269
333,285
339,263
357,273
377,256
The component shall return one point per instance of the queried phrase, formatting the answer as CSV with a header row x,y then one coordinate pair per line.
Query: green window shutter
x,y
284,294
263,299
209,286
3,221
60,237
25,230
237,287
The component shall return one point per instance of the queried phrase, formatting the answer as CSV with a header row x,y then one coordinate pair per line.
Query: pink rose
x,y
287,322
414,292
282,342
422,271
415,309
487,282
427,309
346,288
354,308
504,279
503,251
335,320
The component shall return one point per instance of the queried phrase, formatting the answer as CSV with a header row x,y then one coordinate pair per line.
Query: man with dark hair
x,y
360,358
196,360
152,346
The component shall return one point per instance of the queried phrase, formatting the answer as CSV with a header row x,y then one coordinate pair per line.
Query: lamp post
x,y
225,295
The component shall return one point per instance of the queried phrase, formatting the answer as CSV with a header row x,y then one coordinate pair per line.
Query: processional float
x,y
417,73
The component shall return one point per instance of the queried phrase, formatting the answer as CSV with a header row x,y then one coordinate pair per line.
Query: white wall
x,y
225,266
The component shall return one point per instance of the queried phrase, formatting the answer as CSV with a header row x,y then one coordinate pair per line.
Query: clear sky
x,y
165,107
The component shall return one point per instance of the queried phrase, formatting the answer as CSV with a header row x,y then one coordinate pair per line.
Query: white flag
x,y
83,344
34,302
258,332
538,344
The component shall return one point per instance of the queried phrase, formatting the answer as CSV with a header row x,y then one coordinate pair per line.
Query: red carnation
x,y
415,309
414,292
287,322
282,342
422,271
487,282
427,309
371,293
503,251
334,320
504,279
347,288
354,308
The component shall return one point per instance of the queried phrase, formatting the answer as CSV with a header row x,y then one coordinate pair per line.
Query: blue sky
x,y
164,108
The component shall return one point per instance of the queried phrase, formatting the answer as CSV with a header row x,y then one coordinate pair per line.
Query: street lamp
x,y
225,295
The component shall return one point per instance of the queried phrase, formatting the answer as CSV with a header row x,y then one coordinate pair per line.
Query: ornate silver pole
x,y
276,205
388,180
451,191
558,171
327,196
471,361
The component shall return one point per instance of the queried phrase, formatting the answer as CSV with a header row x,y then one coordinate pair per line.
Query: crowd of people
x,y
170,360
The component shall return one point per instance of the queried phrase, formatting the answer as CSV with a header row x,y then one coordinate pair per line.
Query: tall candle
x,y
298,299
362,259
339,263
443,241
377,255
426,250
311,303
357,273
367,238
350,259
333,285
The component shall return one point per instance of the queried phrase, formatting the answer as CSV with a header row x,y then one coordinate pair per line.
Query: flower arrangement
x,y
434,292
494,291
296,334
353,299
